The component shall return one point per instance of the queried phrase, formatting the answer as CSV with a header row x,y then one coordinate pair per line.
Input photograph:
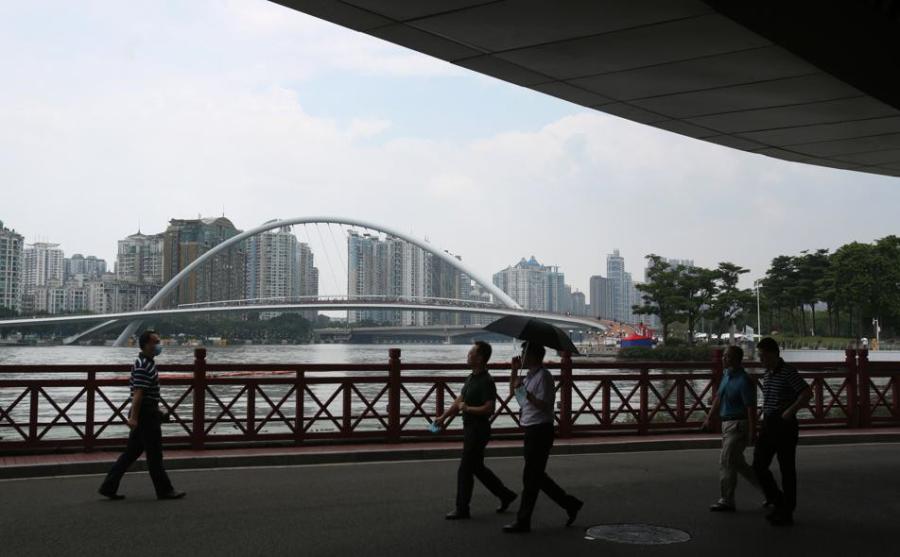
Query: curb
x,y
411,453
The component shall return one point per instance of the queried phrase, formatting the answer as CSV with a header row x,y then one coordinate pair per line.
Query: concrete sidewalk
x,y
848,506
61,464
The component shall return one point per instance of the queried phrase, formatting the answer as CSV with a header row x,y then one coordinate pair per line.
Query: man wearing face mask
x,y
144,420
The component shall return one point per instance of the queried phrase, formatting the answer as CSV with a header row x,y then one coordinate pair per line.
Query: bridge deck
x,y
848,506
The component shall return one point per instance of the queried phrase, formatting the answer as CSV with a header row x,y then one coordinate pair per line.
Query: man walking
x,y
784,393
144,419
476,403
537,399
736,404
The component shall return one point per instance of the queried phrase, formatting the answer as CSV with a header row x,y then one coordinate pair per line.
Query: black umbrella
x,y
533,330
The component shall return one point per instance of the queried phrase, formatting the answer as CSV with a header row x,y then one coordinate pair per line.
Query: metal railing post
x,y
90,388
852,382
198,424
644,410
565,395
865,402
394,394
718,370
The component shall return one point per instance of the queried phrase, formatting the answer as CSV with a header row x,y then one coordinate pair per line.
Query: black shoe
x,y
721,508
573,512
171,495
505,502
112,496
517,528
457,515
768,504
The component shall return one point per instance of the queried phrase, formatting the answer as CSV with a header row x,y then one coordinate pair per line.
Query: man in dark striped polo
x,y
784,393
144,420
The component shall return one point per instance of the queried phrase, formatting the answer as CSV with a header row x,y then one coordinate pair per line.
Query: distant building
x,y
533,286
12,268
579,304
653,321
221,278
140,259
89,267
615,273
384,267
601,302
280,269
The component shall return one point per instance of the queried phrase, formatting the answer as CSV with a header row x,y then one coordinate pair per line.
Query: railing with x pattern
x,y
85,407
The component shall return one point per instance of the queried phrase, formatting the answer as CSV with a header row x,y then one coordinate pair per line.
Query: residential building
x,y
12,268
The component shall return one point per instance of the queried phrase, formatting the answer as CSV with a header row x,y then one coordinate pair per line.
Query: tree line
x,y
815,293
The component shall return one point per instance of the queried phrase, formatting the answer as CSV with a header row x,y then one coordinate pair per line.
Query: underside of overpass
x,y
811,82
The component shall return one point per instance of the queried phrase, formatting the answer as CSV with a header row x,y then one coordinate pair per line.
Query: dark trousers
x,y
476,435
778,437
147,436
538,442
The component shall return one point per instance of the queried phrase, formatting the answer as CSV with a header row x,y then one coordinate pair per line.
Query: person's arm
x,y
135,411
514,379
803,398
452,411
804,394
713,410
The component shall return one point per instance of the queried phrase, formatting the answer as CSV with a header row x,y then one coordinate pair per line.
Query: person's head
x,y
769,353
734,355
148,341
532,354
479,354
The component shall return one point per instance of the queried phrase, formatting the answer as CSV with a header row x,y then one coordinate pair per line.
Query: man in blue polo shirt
x,y
736,405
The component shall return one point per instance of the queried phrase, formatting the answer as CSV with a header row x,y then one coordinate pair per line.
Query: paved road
x,y
849,505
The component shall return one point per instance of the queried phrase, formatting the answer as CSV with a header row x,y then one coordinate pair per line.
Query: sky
x,y
115,115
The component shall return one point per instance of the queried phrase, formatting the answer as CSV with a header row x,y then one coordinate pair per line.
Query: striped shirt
x,y
781,387
145,377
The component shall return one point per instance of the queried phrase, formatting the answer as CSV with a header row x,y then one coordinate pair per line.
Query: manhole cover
x,y
643,534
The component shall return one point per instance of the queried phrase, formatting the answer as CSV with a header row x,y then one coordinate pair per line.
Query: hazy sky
x,y
114,113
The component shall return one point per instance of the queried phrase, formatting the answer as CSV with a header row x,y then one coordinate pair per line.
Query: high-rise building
x,y
601,297
391,268
279,268
221,278
12,268
89,267
140,259
44,265
579,304
533,286
615,273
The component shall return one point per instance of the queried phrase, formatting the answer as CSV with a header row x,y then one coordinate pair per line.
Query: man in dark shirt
x,y
144,420
784,393
476,403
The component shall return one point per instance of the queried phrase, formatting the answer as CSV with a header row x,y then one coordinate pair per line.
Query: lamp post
x,y
758,315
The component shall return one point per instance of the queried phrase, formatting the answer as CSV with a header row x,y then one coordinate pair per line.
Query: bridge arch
x,y
498,294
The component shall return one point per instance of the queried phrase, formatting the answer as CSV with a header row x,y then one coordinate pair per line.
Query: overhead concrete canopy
x,y
812,82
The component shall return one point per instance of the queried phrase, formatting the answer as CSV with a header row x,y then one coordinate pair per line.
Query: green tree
x,y
660,293
730,302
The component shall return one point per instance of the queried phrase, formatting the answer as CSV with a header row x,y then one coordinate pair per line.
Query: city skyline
x,y
336,122
142,237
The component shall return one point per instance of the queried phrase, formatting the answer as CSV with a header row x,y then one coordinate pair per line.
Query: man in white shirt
x,y
537,403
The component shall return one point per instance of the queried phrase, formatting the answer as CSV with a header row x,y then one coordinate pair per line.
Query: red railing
x,y
84,407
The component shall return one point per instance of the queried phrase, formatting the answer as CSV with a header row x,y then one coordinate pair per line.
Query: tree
x,y
730,302
696,287
660,293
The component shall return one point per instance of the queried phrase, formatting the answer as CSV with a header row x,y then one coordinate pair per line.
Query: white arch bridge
x,y
502,303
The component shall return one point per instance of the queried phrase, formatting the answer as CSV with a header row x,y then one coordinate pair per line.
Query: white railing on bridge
x,y
338,299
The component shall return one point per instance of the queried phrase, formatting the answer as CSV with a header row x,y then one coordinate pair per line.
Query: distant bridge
x,y
337,305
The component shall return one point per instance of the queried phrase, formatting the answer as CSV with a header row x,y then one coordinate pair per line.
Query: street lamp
x,y
758,315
